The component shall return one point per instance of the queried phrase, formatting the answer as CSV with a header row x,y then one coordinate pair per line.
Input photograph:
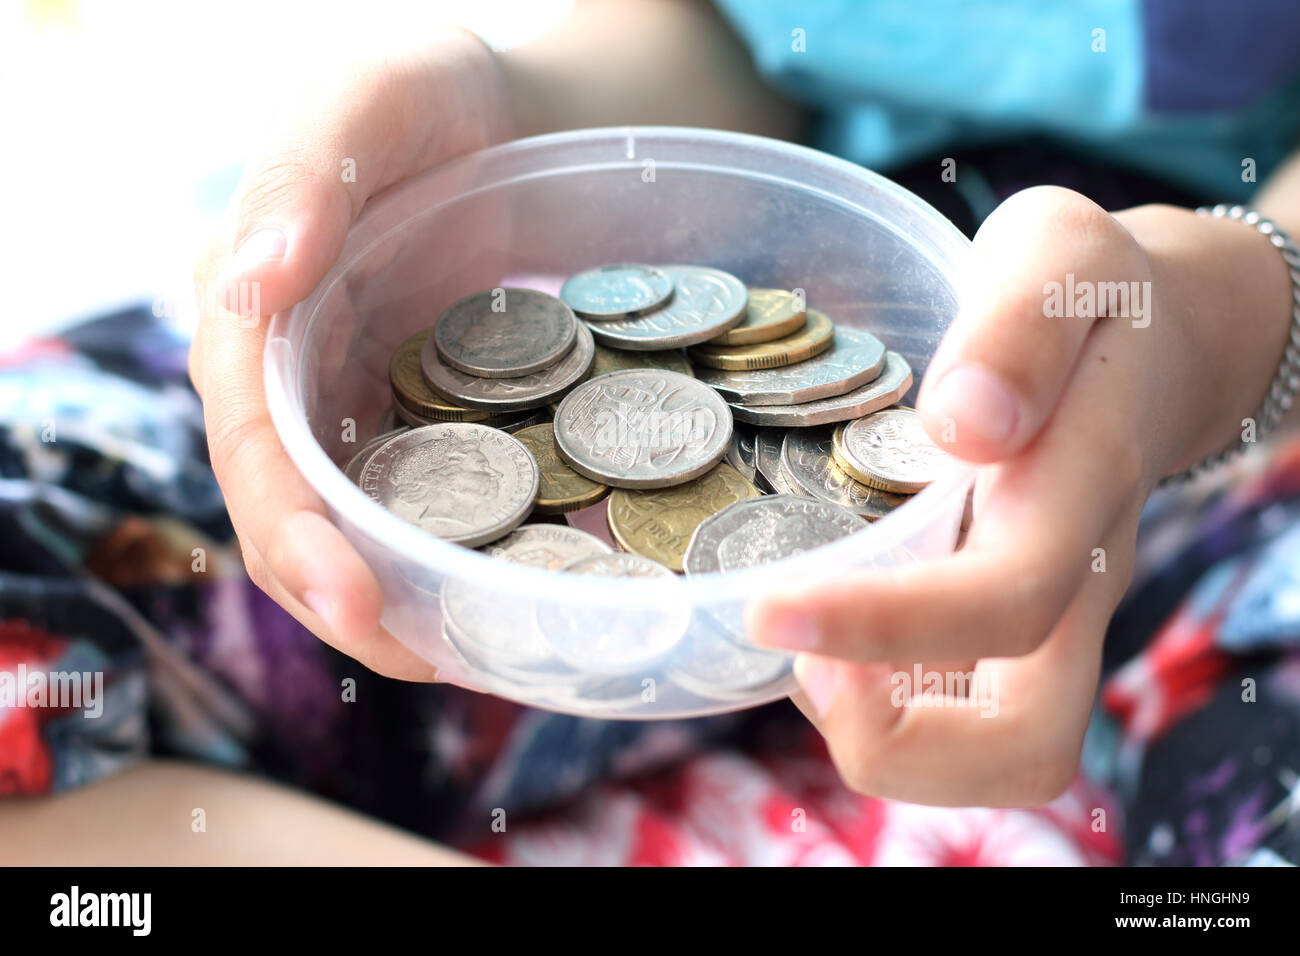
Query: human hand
x,y
392,116
1076,419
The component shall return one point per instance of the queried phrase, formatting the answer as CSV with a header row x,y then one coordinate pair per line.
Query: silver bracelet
x,y
1282,391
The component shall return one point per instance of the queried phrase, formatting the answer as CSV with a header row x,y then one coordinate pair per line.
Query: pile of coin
x,y
726,426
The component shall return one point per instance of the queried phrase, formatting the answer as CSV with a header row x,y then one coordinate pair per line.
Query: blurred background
x,y
126,124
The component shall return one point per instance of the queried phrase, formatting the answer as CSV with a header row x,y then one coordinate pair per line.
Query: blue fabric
x,y
897,80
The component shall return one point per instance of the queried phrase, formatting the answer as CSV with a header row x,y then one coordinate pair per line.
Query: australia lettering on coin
x,y
509,394
466,483
855,358
505,333
762,530
706,302
642,428
617,291
888,388
808,455
891,449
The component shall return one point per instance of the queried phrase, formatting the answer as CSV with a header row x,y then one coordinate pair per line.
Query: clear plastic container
x,y
867,252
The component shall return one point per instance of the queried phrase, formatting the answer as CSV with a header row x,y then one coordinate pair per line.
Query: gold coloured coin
x,y
817,335
411,393
616,360
561,489
890,450
770,314
658,522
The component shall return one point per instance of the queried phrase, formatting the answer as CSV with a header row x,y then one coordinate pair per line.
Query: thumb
x,y
291,221
1004,363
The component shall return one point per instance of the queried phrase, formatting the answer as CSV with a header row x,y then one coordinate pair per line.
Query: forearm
x,y
641,62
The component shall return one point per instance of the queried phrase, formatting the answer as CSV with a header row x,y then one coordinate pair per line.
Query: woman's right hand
x,y
381,120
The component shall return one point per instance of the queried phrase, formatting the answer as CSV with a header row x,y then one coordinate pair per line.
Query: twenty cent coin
x,y
854,359
617,291
706,302
891,450
561,489
658,523
888,388
761,530
642,428
505,333
770,314
466,483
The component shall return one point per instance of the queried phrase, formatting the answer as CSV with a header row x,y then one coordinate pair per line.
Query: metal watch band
x,y
1282,391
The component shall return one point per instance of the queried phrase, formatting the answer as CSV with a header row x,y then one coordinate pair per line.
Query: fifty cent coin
x,y
892,385
761,530
854,359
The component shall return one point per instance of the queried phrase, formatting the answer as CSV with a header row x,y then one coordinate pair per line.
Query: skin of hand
x,y
1074,421
396,114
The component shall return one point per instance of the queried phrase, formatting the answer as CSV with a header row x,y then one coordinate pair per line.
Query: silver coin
x,y
538,417
617,291
713,666
466,483
642,428
767,455
808,456
358,461
505,333
597,641
891,385
389,420
503,629
742,455
855,358
706,302
892,448
509,394
758,531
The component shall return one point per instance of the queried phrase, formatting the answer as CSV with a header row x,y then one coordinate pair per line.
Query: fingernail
x,y
817,676
259,246
790,629
975,399
320,605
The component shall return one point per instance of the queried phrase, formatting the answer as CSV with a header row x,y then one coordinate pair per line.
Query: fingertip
x,y
783,623
972,412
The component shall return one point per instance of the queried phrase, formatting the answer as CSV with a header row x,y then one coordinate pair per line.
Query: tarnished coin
x,y
770,314
618,360
854,359
817,336
509,394
358,461
808,455
761,530
642,428
742,455
658,523
596,641
412,394
706,302
466,483
891,450
767,456
617,291
713,666
505,333
888,388
503,628
505,422
561,489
